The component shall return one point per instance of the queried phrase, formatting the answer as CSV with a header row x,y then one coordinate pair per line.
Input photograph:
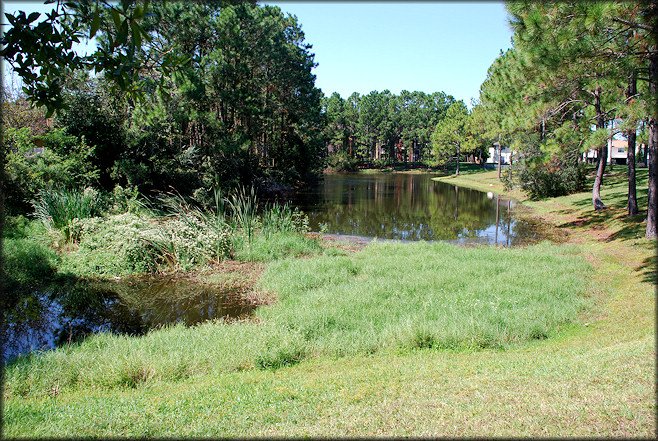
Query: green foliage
x,y
275,246
41,51
451,137
243,211
63,163
124,200
551,179
277,217
381,126
57,209
341,161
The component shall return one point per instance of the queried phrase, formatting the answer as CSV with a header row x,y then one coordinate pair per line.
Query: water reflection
x,y
410,207
129,306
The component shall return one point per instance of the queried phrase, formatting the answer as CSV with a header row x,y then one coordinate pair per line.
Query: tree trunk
x,y
632,193
652,148
631,135
652,162
457,173
500,153
602,154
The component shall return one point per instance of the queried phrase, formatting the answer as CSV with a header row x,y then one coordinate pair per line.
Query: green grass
x,y
346,349
273,246
444,296
422,295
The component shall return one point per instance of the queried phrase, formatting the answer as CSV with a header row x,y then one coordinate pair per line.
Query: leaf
x,y
117,19
136,33
139,13
33,16
95,23
122,35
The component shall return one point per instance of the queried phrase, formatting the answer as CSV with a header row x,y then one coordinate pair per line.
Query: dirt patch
x,y
238,278
347,243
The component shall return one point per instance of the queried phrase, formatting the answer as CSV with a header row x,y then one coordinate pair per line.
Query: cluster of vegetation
x,y
241,105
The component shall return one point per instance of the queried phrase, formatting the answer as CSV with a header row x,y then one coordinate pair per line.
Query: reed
x,y
57,208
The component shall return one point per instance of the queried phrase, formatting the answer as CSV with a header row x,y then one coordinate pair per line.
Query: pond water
x,y
129,306
410,207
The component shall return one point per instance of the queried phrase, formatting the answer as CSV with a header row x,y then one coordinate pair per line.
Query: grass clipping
x,y
388,297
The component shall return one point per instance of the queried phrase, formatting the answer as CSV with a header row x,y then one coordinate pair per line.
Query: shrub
x,y
342,162
124,200
63,163
129,243
542,180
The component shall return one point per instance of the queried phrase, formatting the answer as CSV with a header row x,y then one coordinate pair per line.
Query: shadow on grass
x,y
632,228
649,269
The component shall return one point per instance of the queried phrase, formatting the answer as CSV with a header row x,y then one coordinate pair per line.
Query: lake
x,y
410,207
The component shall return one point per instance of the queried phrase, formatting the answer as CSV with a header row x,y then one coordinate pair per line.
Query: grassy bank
x,y
393,340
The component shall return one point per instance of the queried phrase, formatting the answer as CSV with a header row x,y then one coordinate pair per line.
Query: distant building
x,y
505,154
617,152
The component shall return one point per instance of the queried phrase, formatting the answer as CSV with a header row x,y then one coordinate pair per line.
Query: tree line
x,y
383,128
578,74
191,95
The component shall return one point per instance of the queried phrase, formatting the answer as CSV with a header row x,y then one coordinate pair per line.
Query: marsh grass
x,y
244,206
390,297
424,295
274,246
58,208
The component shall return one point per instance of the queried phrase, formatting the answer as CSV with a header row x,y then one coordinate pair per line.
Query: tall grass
x,y
244,208
390,297
426,296
282,218
57,208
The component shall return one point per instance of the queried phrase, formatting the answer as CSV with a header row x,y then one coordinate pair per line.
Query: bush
x,y
547,180
63,163
342,162
124,200
130,243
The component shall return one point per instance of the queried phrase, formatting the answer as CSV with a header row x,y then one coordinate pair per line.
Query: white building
x,y
505,154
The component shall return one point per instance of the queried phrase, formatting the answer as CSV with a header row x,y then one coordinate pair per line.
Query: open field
x,y
314,364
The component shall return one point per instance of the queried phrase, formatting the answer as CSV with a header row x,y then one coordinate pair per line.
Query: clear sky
x,y
428,46
425,46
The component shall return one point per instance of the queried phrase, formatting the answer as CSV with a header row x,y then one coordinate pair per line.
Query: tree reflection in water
x,y
410,207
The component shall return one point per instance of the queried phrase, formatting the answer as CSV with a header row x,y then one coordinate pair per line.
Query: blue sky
x,y
366,46
426,46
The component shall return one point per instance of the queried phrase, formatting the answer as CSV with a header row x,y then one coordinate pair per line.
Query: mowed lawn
x,y
393,340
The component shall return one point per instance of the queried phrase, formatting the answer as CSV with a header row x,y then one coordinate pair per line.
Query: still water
x,y
130,306
410,207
